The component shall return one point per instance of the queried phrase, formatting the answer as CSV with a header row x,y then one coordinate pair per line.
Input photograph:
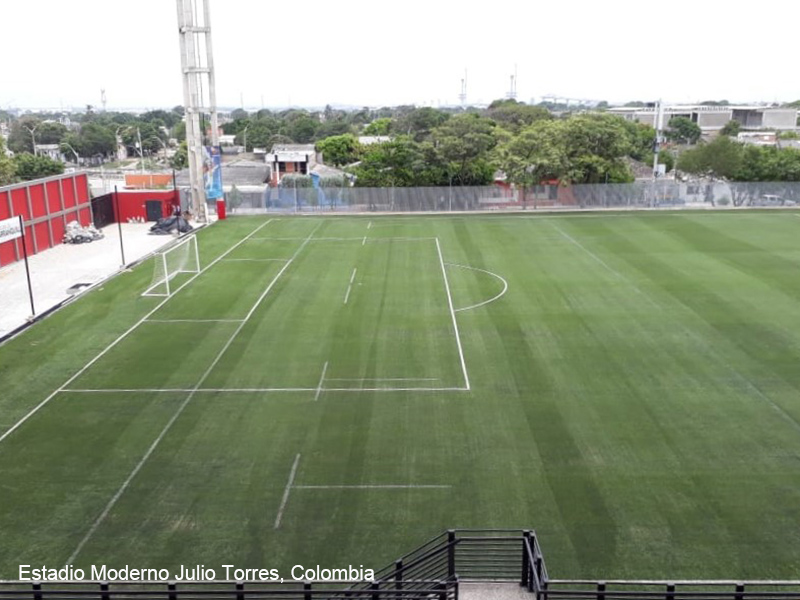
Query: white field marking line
x,y
321,381
126,333
373,487
255,390
369,226
500,295
350,285
794,422
180,410
365,241
453,315
297,239
383,379
286,492
255,259
193,321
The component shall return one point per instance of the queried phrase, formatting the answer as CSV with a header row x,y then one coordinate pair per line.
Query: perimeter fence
x,y
657,194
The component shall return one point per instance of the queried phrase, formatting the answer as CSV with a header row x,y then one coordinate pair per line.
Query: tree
x,y
302,128
20,138
463,141
722,158
395,163
8,167
596,145
419,122
513,115
180,160
380,126
33,167
340,149
683,131
95,139
50,132
537,154
731,128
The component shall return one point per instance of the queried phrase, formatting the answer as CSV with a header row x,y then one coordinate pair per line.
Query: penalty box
x,y
351,314
346,315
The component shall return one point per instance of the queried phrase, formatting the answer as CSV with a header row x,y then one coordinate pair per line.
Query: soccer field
x,y
336,390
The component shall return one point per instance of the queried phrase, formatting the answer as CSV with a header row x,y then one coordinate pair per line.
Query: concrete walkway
x,y
55,270
493,591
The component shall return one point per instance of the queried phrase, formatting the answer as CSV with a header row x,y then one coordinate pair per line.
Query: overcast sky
x,y
360,52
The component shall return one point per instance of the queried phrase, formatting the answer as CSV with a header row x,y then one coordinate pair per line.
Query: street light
x,y
77,158
245,137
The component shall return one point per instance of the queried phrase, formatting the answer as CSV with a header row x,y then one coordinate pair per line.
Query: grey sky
x,y
313,52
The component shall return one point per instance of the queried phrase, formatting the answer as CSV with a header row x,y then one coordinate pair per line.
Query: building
x,y
52,151
297,159
711,119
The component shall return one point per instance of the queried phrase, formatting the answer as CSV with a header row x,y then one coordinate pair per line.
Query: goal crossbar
x,y
183,257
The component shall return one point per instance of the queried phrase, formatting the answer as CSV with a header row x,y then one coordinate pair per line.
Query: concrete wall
x,y
780,118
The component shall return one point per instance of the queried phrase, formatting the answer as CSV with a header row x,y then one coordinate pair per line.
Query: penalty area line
x,y
286,492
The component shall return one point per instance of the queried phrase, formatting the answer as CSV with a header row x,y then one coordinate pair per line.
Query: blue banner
x,y
212,172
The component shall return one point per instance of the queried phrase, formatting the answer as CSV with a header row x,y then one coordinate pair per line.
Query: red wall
x,y
132,204
46,206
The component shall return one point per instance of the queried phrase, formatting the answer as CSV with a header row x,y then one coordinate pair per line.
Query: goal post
x,y
183,257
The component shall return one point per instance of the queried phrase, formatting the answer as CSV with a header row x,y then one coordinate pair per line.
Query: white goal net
x,y
183,257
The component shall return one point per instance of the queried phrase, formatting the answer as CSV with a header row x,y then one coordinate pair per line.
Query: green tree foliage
x,y
720,158
94,139
8,168
464,143
180,160
537,154
29,166
340,149
296,181
397,163
50,132
596,145
513,115
419,122
380,126
642,139
20,138
581,149
731,128
683,131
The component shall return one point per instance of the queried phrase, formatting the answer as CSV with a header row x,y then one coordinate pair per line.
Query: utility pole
x,y
198,75
659,125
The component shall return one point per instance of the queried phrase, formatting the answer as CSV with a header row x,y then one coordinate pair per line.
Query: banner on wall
x,y
10,229
212,172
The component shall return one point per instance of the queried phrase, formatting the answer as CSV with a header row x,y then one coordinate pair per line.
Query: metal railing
x,y
96,590
433,571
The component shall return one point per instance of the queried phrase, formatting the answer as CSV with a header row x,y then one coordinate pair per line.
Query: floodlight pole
x,y
197,75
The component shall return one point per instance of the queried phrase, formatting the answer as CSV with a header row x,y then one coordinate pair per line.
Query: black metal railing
x,y
433,571
96,590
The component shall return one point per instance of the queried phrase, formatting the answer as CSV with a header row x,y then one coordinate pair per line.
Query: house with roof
x,y
297,159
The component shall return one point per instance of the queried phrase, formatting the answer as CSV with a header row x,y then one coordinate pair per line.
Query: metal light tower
x,y
197,67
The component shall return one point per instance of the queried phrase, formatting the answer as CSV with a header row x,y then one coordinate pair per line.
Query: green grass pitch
x,y
336,390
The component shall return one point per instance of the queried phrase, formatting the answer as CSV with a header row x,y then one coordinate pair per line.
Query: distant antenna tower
x,y
463,95
103,99
512,91
199,92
